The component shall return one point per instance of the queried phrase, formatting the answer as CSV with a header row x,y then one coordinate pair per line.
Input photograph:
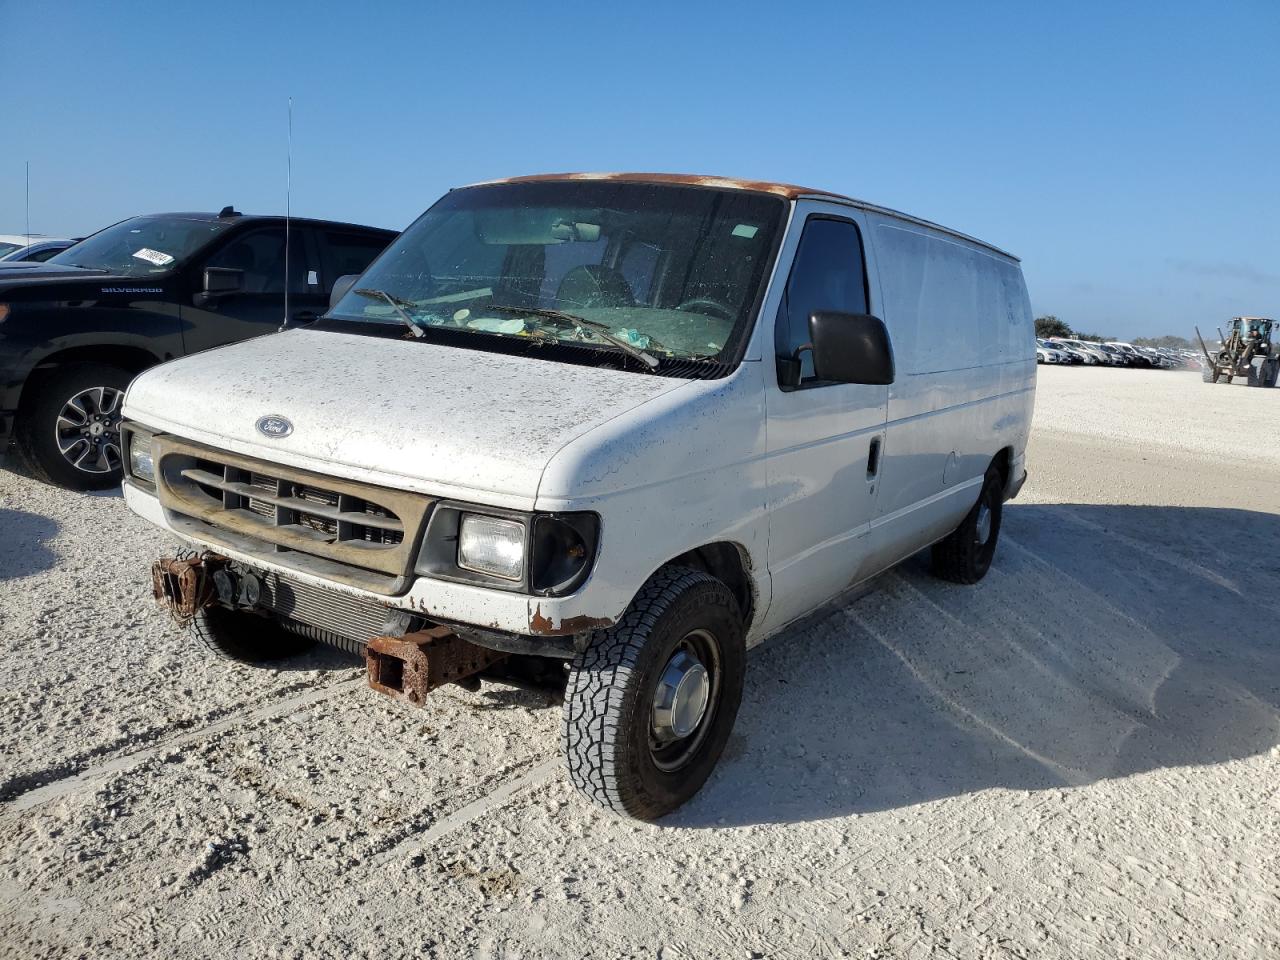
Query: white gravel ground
x,y
1077,758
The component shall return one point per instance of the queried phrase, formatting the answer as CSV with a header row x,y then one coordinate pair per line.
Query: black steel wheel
x,y
966,553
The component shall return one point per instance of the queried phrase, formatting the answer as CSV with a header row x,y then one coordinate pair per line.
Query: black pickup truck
x,y
75,330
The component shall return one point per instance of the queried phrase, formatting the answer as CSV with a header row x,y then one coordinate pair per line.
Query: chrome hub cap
x,y
88,430
984,524
680,702
684,701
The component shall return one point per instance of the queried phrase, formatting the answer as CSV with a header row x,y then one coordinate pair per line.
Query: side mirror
x,y
340,288
219,281
846,347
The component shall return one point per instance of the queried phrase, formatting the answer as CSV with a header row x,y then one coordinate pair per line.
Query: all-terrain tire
x,y
965,555
39,425
246,637
608,717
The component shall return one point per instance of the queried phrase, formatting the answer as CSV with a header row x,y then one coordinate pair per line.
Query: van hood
x,y
391,411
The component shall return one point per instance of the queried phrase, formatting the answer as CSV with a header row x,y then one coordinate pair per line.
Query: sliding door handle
x,y
873,459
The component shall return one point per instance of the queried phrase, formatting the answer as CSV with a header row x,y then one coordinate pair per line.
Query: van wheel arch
x,y
132,359
728,562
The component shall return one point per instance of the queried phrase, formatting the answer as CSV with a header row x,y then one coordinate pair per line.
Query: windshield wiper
x,y
397,304
601,330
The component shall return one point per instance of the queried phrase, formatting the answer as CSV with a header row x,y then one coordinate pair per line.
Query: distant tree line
x,y
1051,326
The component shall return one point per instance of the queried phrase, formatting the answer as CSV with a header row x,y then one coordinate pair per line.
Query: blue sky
x,y
1127,152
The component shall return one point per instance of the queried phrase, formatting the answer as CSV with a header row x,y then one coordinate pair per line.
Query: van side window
x,y
829,273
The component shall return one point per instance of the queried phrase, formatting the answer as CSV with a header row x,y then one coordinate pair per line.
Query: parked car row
x,y
1114,353
77,328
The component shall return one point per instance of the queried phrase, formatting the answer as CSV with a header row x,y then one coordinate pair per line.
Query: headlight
x,y
140,462
492,546
542,554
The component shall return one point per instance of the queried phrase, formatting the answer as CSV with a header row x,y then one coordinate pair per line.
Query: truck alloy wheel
x,y
87,431
68,428
651,701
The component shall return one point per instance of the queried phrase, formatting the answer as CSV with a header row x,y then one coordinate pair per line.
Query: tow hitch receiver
x,y
185,584
409,667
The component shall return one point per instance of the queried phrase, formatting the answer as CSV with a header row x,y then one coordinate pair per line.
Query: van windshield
x,y
670,271
141,246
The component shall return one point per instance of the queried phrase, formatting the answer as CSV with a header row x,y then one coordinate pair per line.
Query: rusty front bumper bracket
x,y
185,584
409,667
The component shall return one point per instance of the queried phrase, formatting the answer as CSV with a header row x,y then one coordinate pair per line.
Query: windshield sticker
x,y
746,231
153,256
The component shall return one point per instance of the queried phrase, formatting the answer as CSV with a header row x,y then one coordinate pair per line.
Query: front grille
x,y
335,516
356,533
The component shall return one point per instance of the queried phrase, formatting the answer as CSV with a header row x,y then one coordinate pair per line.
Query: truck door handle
x,y
873,459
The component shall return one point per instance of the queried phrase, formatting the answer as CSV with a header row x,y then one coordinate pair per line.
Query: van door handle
x,y
873,459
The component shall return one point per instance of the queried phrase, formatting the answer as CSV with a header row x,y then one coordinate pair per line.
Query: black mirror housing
x,y
850,348
219,281
340,288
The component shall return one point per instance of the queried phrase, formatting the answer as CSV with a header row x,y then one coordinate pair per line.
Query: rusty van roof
x,y
789,191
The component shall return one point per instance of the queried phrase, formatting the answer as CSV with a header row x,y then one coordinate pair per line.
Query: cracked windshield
x,y
652,272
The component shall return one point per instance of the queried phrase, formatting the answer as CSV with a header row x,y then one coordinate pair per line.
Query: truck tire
x,y
651,701
246,637
965,555
68,432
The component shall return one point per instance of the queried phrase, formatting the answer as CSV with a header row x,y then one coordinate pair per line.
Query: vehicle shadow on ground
x,y
22,543
1106,641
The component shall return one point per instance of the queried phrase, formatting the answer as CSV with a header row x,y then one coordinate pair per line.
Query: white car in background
x,y
1048,352
1089,351
16,248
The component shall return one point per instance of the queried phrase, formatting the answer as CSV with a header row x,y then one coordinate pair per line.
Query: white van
x,y
614,427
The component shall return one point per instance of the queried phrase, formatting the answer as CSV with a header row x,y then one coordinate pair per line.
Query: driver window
x,y
828,274
260,255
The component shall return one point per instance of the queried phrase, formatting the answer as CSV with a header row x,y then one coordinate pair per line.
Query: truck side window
x,y
261,255
828,274
346,253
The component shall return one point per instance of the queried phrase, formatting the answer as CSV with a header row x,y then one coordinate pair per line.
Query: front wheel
x,y
651,701
965,555
247,637
68,433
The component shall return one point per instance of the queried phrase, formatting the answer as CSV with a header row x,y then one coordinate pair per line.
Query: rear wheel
x,y
652,700
965,555
68,433
247,637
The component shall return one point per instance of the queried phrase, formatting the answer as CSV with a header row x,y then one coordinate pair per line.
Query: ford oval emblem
x,y
274,427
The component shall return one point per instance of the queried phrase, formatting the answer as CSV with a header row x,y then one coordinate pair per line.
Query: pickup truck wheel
x,y
651,701
69,432
965,555
247,637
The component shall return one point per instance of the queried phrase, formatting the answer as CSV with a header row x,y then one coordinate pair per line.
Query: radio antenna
x,y
28,204
288,211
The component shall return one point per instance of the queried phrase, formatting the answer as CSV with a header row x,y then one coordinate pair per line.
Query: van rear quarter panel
x,y
960,322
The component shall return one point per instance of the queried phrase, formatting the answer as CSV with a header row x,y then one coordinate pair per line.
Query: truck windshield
x,y
140,246
672,272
